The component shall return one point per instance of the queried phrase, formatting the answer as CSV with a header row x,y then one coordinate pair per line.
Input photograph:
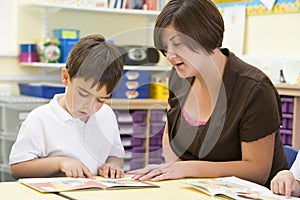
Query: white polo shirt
x,y
295,169
49,130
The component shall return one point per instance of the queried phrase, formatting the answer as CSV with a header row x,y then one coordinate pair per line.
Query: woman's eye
x,y
176,44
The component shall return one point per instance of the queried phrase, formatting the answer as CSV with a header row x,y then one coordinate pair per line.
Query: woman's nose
x,y
170,55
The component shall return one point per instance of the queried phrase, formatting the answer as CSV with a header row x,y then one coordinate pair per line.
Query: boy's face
x,y
83,101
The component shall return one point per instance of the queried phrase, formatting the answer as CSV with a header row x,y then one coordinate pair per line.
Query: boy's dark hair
x,y
199,22
94,59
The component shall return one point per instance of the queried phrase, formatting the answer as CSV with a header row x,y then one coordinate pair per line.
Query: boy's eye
x,y
101,101
82,94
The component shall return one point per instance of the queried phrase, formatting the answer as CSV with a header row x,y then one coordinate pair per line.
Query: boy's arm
x,y
50,166
113,168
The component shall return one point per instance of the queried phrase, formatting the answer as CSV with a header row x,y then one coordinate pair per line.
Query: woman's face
x,y
187,63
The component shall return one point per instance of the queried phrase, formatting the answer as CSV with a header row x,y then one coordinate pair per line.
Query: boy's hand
x,y
74,168
110,170
284,183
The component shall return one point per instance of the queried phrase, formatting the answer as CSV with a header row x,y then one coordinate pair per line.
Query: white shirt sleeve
x,y
29,145
295,169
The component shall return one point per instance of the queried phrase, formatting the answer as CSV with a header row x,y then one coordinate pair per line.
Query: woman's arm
x,y
168,153
50,166
256,163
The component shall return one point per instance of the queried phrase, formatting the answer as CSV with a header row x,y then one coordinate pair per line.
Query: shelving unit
x,y
126,67
293,91
56,7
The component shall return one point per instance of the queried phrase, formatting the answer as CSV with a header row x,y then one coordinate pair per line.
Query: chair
x,y
291,154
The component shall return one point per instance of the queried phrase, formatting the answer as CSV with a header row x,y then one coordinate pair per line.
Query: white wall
x,y
266,36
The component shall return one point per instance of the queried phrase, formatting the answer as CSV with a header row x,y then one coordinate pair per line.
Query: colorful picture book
x,y
60,184
234,188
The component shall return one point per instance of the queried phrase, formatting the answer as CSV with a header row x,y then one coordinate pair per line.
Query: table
x,y
17,191
171,189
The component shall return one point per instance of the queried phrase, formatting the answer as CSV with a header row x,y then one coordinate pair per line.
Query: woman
x,y
224,115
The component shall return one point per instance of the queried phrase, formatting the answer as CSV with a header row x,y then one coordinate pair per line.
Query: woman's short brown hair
x,y
198,20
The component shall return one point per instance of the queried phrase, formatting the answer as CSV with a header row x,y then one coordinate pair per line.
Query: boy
x,y
76,134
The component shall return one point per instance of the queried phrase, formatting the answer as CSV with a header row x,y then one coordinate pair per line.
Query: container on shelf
x,y
137,129
5,174
6,142
287,121
157,128
133,85
63,33
286,136
14,110
158,116
28,53
43,90
287,104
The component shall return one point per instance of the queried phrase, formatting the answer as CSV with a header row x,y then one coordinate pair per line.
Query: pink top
x,y
191,121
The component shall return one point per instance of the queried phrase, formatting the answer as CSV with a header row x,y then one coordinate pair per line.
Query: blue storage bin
x,y
40,90
133,85
65,48
66,33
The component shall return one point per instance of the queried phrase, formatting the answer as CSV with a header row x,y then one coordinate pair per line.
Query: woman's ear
x,y
65,76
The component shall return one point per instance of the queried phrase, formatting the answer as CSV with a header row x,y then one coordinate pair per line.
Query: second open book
x,y
234,188
61,184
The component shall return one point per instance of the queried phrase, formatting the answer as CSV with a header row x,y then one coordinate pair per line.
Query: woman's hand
x,y
110,170
284,183
74,168
160,172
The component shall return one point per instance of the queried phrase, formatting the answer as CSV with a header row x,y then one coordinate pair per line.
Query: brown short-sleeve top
x,y
248,108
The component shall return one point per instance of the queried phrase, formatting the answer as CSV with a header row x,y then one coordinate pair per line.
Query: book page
x,y
235,188
67,183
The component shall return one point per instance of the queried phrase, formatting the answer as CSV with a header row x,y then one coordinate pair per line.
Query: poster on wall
x,y
234,21
257,7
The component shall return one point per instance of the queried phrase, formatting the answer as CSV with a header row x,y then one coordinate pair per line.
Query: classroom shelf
x,y
126,67
50,6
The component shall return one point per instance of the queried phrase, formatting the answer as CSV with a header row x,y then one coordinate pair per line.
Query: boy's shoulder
x,y
106,113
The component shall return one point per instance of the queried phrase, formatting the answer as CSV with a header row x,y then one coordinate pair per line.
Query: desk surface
x,y
17,191
168,190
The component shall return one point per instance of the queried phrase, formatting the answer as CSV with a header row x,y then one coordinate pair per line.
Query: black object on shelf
x,y
281,77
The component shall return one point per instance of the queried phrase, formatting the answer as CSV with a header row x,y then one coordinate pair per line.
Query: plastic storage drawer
x,y
6,142
133,85
14,110
5,174
40,90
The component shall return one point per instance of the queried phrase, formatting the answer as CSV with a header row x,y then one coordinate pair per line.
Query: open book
x,y
234,188
60,184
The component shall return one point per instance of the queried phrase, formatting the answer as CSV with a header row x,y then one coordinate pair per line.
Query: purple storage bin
x,y
286,136
155,152
287,121
156,140
291,107
123,117
132,141
157,128
158,116
156,160
138,152
133,129
139,115
137,163
287,104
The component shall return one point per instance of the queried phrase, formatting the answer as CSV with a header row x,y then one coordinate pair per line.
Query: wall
x,y
267,36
